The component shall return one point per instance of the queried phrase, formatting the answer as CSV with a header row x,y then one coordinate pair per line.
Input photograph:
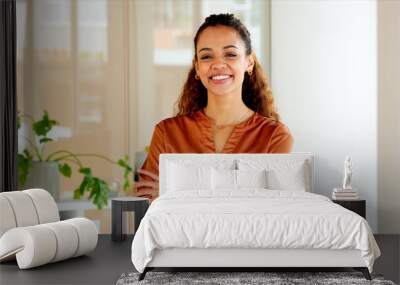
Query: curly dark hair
x,y
256,93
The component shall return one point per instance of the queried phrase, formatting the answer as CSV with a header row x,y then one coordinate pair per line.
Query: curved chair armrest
x,y
40,244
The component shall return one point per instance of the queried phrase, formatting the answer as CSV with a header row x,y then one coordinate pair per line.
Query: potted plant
x,y
43,168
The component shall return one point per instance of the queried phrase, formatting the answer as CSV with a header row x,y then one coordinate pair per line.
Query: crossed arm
x,y
147,188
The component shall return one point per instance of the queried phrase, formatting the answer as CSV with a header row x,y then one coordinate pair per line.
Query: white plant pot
x,y
44,175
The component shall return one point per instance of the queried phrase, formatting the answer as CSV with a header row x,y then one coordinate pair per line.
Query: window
x,y
109,70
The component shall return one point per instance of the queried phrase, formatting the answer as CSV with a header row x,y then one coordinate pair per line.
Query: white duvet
x,y
251,218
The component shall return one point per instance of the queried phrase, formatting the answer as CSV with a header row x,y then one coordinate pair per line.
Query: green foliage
x,y
45,140
96,188
43,126
127,170
65,169
24,165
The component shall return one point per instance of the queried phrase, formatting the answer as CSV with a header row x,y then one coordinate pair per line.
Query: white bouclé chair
x,y
31,230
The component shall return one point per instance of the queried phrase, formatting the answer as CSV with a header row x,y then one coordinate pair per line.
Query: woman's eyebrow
x,y
231,46
225,47
205,49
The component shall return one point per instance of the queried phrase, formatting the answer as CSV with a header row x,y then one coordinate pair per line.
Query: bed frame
x,y
248,259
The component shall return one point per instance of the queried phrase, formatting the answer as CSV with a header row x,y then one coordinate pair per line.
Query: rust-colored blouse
x,y
194,134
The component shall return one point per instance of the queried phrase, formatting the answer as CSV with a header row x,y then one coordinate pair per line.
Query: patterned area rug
x,y
269,278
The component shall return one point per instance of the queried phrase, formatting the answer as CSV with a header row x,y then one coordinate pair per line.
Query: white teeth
x,y
220,77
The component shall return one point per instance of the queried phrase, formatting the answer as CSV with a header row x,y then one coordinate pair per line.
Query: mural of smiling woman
x,y
226,105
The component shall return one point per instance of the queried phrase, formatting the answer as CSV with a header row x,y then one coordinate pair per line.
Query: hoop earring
x,y
196,77
249,72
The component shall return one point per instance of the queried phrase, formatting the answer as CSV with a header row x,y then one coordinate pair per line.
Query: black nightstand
x,y
119,205
357,206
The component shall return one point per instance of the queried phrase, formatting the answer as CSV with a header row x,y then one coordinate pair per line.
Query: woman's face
x,y
221,60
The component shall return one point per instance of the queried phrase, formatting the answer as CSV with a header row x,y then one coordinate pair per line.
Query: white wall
x,y
324,78
389,116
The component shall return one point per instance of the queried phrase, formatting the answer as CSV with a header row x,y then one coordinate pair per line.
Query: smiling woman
x,y
225,106
222,61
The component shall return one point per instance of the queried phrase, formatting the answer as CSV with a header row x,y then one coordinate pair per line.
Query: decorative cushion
x,y
251,178
202,161
181,177
282,171
168,175
224,179
287,179
235,179
282,174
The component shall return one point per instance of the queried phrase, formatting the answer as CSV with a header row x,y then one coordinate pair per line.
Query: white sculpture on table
x,y
347,174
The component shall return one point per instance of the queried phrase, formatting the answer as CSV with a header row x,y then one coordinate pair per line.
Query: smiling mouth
x,y
220,77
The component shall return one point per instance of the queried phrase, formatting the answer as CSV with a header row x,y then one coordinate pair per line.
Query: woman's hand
x,y
147,189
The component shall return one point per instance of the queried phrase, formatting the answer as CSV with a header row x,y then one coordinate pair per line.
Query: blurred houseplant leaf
x,y
96,188
24,164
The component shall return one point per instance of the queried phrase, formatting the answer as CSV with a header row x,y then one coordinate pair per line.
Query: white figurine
x,y
347,174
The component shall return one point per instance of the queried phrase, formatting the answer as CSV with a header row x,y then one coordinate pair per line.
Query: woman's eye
x,y
208,57
205,57
231,55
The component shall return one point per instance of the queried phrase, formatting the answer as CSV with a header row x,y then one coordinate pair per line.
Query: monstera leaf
x,y
43,127
97,188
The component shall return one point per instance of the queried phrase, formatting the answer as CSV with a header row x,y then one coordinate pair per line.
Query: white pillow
x,y
223,179
281,174
235,179
251,178
293,178
204,162
181,177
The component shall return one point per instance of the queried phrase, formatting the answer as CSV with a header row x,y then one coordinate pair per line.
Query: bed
x,y
245,211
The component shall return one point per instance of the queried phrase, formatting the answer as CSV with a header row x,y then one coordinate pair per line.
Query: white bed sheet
x,y
250,218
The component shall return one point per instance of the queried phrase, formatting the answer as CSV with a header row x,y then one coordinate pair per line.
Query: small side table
x,y
357,206
119,205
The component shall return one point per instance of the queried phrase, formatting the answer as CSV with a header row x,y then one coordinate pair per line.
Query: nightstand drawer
x,y
357,206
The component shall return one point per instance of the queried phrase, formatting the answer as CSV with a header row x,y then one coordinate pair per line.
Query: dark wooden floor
x,y
389,262
110,260
102,266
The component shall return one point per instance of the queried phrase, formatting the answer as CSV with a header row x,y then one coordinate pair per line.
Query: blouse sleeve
x,y
281,140
156,147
